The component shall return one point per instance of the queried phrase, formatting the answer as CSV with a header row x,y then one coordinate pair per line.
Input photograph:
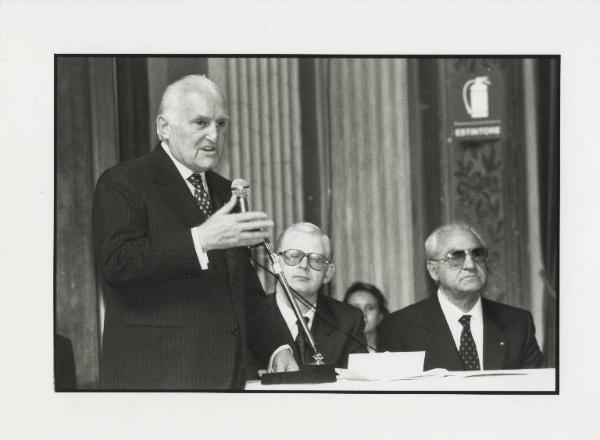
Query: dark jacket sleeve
x,y
357,342
389,337
532,356
264,334
125,251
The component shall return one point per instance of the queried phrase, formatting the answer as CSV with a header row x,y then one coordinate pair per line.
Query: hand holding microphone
x,y
224,230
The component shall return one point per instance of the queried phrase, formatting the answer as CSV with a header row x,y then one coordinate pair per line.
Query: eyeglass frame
x,y
309,257
449,260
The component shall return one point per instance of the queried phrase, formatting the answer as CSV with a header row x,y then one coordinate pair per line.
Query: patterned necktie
x,y
467,351
302,344
200,194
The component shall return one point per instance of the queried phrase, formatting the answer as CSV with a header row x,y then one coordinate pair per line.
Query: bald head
x,y
435,240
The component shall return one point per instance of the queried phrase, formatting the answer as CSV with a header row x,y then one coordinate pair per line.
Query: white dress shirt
x,y
453,314
288,314
290,319
185,174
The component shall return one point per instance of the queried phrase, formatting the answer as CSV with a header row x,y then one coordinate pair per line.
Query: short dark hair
x,y
377,294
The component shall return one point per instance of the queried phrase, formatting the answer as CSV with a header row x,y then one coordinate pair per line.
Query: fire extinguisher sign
x,y
474,108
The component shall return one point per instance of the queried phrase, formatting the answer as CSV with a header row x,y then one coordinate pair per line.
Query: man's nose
x,y
468,264
211,132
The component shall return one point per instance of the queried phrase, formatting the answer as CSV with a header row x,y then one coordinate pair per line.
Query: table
x,y
536,380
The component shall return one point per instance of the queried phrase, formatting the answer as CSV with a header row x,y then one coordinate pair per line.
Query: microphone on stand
x,y
317,371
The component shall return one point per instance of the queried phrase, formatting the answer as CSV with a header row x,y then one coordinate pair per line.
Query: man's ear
x,y
329,273
163,128
432,269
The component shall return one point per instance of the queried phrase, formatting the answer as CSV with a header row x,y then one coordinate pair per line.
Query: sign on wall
x,y
474,106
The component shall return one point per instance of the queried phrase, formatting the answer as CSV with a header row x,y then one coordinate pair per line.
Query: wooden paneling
x,y
86,144
133,111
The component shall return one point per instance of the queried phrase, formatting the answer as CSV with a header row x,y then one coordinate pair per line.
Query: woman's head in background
x,y
370,300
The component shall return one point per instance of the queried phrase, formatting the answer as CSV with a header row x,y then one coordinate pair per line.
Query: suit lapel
x,y
230,259
282,327
321,330
174,190
494,344
441,349
178,196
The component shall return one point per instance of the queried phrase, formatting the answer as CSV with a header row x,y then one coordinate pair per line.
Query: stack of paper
x,y
387,366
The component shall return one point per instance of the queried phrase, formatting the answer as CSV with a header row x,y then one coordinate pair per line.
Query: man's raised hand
x,y
224,230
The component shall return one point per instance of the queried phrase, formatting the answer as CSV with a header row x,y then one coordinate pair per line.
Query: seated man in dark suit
x,y
457,328
338,328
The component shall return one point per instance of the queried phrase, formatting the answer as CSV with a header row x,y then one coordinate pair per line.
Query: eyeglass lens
x,y
479,255
292,257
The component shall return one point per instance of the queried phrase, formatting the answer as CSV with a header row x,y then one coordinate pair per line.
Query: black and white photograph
x,y
405,208
290,219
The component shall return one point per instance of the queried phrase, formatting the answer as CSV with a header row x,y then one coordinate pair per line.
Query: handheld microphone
x,y
240,188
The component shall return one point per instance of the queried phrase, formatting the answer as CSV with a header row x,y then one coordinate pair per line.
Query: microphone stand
x,y
317,371
318,357
314,372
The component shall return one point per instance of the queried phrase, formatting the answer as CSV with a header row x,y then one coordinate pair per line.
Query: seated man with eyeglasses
x,y
457,328
337,328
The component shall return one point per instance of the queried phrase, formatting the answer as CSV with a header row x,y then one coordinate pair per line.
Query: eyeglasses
x,y
293,257
457,258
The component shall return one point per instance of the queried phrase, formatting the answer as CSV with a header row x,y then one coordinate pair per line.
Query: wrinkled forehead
x,y
309,242
457,239
204,99
197,100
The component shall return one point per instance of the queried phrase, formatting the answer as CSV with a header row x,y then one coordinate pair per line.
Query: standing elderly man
x,y
457,328
338,328
184,299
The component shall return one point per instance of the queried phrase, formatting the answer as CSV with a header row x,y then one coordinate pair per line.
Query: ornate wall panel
x,y
484,181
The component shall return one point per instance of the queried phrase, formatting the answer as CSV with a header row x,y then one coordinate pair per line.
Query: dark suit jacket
x,y
508,336
169,324
338,330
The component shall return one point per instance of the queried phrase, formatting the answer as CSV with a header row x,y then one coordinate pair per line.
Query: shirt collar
x,y
183,170
453,313
288,313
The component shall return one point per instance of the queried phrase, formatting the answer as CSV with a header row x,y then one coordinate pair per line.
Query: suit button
x,y
235,332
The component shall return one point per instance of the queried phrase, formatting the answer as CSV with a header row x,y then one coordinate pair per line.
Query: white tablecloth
x,y
543,380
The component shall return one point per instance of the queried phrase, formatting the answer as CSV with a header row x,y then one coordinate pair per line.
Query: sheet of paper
x,y
479,373
384,366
